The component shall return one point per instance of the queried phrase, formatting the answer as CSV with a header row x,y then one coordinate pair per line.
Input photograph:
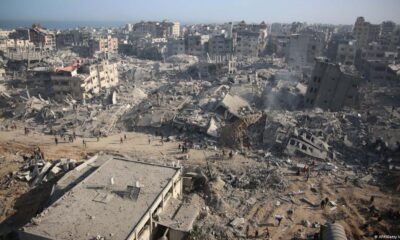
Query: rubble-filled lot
x,y
251,162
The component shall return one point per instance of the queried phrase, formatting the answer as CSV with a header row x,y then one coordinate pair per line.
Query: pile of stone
x,y
37,170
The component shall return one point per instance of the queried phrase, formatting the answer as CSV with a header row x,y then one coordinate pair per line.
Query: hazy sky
x,y
311,11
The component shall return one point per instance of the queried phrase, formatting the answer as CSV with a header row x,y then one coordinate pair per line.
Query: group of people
x,y
306,170
183,147
121,140
37,154
71,138
256,233
324,202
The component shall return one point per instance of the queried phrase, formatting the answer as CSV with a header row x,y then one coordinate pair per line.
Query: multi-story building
x,y
103,45
332,46
346,53
304,48
365,32
20,33
386,33
332,86
395,40
157,29
15,44
197,44
79,82
128,27
250,39
248,44
175,29
72,38
42,38
220,45
175,47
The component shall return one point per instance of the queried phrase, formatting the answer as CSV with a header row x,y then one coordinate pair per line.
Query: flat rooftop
x,y
96,207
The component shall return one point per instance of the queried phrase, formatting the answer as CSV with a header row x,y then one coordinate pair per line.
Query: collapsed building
x,y
113,197
332,86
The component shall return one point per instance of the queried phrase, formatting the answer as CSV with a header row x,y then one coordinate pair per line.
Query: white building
x,y
85,82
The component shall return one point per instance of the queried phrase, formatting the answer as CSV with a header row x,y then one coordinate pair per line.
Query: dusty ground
x,y
17,200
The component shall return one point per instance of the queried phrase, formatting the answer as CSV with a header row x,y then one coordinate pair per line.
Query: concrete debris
x,y
265,130
36,170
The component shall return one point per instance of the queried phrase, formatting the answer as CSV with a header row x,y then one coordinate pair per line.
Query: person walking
x,y
267,234
279,218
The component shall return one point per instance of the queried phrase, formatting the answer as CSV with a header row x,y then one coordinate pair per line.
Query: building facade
x,y
107,44
365,32
303,49
332,87
346,53
42,38
220,45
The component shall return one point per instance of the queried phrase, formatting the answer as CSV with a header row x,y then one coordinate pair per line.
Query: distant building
x,y
103,45
332,87
175,29
42,38
346,53
197,44
248,44
304,48
72,38
220,45
129,27
386,33
365,32
15,44
175,47
250,39
20,33
157,29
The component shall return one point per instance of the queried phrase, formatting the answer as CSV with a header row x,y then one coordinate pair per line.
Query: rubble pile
x,y
36,170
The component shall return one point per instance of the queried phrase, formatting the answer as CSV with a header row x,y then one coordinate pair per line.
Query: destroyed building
x,y
42,37
79,82
162,29
332,86
103,45
233,107
259,136
112,197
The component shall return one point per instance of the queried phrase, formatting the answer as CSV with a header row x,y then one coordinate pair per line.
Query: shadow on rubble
x,y
27,206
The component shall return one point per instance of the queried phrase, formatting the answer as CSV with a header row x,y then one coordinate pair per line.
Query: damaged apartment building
x,y
332,86
81,82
